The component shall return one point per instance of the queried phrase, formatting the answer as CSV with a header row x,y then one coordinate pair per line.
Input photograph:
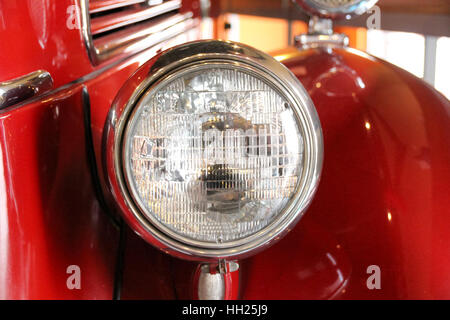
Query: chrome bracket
x,y
212,280
320,33
18,90
320,40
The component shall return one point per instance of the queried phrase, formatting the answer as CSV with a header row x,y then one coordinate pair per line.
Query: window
x,y
442,81
406,50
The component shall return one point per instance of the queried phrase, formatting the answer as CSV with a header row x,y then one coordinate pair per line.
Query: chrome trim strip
x,y
111,4
144,38
124,18
305,41
136,58
86,31
18,90
212,52
141,37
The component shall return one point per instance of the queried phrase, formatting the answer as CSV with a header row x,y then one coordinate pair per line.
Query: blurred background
x,y
413,34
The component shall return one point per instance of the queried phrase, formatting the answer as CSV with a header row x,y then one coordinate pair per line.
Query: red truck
x,y
141,161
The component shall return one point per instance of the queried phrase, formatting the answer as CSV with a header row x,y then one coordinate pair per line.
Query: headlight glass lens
x,y
213,154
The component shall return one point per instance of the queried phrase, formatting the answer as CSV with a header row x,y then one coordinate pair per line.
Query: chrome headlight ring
x,y
205,54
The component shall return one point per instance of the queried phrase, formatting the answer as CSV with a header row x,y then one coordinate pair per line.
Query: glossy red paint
x,y
308,263
41,35
148,272
192,6
139,282
38,37
383,199
49,216
232,286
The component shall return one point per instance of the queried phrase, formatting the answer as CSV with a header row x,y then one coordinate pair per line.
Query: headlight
x,y
336,9
213,150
